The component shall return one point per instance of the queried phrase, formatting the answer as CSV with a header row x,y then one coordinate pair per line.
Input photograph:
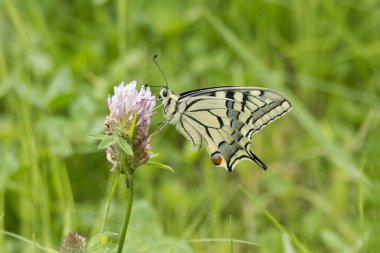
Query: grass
x,y
60,60
290,235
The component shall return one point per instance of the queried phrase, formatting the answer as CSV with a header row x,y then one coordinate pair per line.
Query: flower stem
x,y
127,213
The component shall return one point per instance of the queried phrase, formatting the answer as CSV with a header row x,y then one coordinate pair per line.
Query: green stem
x,y
127,213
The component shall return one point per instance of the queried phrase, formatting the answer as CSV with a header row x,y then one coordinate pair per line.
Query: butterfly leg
x,y
159,127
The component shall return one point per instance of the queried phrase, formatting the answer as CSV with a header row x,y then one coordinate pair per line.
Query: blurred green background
x,y
59,60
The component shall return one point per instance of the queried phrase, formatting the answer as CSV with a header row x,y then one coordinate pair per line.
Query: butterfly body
x,y
224,118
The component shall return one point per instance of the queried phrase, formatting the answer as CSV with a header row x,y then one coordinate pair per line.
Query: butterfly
x,y
224,119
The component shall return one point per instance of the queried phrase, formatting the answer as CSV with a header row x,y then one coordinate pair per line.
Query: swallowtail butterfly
x,y
224,119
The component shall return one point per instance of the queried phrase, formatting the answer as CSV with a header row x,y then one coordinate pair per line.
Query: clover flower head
x,y
123,105
73,243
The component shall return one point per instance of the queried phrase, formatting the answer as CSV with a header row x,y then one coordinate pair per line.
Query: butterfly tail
x,y
257,160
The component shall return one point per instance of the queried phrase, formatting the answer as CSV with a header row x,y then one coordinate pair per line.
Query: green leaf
x,y
103,242
107,141
160,166
153,155
97,136
125,146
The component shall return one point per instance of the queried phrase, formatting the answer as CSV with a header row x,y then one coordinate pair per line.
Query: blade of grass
x,y
122,15
287,245
205,240
34,213
2,240
233,41
273,219
16,20
62,188
339,90
3,70
32,243
232,242
114,182
361,194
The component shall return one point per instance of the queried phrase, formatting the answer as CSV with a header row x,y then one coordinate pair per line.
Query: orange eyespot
x,y
216,158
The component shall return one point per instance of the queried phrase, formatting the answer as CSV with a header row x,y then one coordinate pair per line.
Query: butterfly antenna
x,y
152,86
162,72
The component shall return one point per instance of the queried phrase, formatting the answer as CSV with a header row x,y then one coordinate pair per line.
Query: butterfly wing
x,y
225,119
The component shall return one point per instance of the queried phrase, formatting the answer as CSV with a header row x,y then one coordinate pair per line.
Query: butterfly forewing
x,y
225,119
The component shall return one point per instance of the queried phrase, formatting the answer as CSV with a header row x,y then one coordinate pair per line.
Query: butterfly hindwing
x,y
225,119
191,133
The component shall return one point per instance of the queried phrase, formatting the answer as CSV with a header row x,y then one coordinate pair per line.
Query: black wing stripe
x,y
233,117
264,111
232,162
244,101
205,127
192,103
167,105
206,90
189,135
203,91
